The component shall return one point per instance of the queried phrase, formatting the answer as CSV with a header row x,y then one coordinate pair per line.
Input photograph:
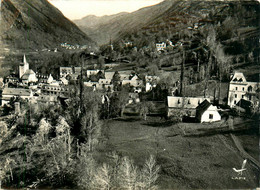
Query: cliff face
x,y
33,24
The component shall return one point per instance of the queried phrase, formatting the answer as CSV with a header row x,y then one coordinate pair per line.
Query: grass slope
x,y
186,162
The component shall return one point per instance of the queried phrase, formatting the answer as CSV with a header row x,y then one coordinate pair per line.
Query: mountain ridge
x,y
38,24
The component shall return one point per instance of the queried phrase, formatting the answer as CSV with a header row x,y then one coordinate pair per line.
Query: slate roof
x,y
16,92
184,102
203,106
27,74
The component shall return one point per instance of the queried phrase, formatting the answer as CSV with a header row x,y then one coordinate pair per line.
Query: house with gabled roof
x,y
187,104
206,112
134,81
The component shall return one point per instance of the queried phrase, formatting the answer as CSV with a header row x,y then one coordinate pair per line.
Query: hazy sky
x,y
76,9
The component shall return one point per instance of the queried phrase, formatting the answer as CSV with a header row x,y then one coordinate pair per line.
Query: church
x,y
25,74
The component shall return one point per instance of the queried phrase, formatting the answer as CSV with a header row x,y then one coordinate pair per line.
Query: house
x,y
187,104
8,93
92,72
54,89
64,71
128,44
240,88
42,78
109,75
105,81
160,46
12,78
133,81
50,79
77,70
206,112
64,81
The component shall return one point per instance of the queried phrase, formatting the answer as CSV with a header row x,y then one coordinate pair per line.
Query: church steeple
x,y
24,59
23,67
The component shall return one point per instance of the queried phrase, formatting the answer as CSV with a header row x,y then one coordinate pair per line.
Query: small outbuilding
x,y
206,112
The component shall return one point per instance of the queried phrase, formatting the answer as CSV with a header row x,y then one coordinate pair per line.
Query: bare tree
x,y
128,174
103,178
150,173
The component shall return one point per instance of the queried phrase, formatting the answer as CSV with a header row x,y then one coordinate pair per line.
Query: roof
x,y
27,74
124,76
16,92
109,75
244,104
184,102
203,106
238,77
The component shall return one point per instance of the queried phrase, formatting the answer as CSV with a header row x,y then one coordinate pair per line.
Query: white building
x,y
206,112
64,71
240,88
187,104
160,46
133,81
27,75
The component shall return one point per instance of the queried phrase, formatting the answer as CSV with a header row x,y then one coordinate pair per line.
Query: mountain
x,y
169,17
110,27
93,26
34,24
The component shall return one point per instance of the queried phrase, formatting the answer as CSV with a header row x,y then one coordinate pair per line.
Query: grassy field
x,y
186,162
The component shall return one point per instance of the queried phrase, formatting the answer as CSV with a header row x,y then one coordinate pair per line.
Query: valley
x,y
165,97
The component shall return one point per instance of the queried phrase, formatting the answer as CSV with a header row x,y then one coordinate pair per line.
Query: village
x,y
36,88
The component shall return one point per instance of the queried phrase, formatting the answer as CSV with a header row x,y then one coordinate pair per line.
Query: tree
x,y
144,108
116,80
90,123
86,165
103,178
59,166
150,173
101,63
128,174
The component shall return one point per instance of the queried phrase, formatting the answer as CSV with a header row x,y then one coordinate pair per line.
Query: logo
x,y
240,171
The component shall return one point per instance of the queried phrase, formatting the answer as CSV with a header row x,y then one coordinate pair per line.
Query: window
x,y
188,101
179,101
243,88
236,88
243,96
235,95
210,116
235,102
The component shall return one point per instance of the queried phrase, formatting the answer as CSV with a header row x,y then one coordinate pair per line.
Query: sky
x,y
77,9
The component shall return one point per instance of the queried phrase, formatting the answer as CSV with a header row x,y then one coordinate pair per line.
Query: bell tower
x,y
23,67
